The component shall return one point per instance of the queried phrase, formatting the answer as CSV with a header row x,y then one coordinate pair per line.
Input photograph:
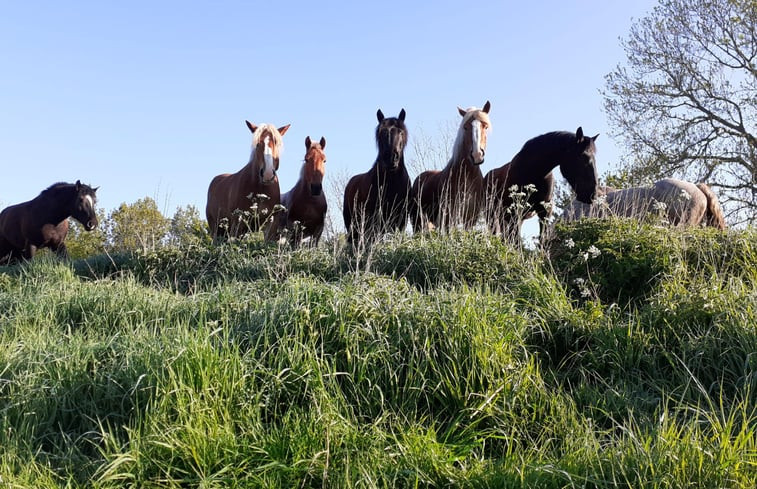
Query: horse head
x,y
84,206
391,137
315,165
266,148
579,167
472,133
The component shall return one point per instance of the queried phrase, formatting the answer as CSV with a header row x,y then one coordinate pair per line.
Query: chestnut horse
x,y
510,200
377,201
253,189
681,203
455,195
305,204
43,221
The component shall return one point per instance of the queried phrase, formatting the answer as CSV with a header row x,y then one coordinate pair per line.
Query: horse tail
x,y
714,214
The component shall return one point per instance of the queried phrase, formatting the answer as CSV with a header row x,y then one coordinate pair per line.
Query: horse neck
x,y
540,161
252,168
382,175
461,165
51,209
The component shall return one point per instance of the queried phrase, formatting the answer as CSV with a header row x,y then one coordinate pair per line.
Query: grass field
x,y
623,356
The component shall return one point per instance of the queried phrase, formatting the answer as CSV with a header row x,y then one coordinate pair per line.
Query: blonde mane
x,y
470,113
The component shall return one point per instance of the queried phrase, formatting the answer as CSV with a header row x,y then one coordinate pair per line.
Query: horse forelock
x,y
266,130
471,113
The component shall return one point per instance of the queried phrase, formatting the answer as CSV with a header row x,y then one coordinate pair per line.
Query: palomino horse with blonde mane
x,y
529,177
377,201
455,195
681,203
254,188
305,204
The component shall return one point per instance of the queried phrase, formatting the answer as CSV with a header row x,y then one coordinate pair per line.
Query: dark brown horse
x,y
305,203
243,201
455,195
377,201
43,221
523,188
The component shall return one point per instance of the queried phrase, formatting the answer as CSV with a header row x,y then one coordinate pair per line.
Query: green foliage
x,y
434,361
137,226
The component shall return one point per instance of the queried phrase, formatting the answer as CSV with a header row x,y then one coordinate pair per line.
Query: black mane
x,y
550,141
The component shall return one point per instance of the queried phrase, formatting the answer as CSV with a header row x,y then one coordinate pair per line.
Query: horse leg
x,y
62,252
29,251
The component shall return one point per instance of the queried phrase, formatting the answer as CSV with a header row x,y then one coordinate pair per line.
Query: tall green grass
x,y
431,361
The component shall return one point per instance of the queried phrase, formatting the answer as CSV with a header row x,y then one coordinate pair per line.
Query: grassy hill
x,y
624,355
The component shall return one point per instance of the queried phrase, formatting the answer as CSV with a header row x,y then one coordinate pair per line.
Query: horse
x,y
43,221
254,188
522,188
305,203
682,203
455,194
377,201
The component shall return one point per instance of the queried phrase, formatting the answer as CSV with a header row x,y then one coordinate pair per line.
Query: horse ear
x,y
595,137
579,134
462,112
402,115
252,126
308,142
487,106
323,142
284,129
78,184
94,190
379,115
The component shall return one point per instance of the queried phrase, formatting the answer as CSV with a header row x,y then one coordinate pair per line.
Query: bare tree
x,y
685,102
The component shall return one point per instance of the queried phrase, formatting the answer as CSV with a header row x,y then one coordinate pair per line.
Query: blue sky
x,y
149,98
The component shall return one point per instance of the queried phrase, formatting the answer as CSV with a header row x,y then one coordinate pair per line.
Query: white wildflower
x,y
593,251
659,206
569,243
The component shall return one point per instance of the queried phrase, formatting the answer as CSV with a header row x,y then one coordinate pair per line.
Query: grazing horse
x,y
533,165
43,221
305,204
681,203
377,201
455,195
254,188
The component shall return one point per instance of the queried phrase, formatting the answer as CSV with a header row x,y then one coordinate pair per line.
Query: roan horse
x,y
681,203
305,204
377,201
533,165
43,221
455,195
254,188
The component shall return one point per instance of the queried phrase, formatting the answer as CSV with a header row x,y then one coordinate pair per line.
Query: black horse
x,y
377,201
43,221
533,165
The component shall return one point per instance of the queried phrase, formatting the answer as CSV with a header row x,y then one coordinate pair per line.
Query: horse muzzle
x,y
316,189
268,180
587,197
478,157
90,225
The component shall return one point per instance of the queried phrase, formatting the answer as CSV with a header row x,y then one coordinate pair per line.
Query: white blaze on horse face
x,y
477,152
90,201
269,172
